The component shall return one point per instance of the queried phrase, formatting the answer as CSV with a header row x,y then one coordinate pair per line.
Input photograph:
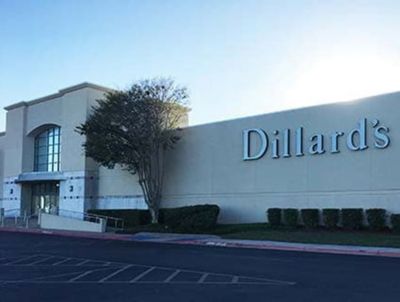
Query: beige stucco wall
x,y
86,185
2,138
14,141
207,165
117,182
67,110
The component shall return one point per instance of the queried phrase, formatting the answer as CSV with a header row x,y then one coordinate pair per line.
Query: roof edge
x,y
60,93
15,105
284,111
85,85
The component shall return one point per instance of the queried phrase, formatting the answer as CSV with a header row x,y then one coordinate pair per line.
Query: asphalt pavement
x,y
38,267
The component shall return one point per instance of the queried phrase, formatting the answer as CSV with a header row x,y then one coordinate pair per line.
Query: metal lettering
x,y
362,136
246,143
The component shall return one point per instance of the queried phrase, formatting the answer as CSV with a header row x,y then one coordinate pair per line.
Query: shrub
x,y
190,218
310,217
274,216
352,219
184,219
330,218
290,217
395,221
131,217
376,219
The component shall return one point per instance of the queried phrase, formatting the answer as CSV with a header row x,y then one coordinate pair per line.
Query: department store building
x,y
339,155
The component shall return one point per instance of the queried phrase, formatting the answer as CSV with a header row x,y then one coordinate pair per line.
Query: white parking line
x,y
76,261
203,277
80,276
42,279
119,267
62,261
115,273
20,260
82,263
142,274
172,276
40,260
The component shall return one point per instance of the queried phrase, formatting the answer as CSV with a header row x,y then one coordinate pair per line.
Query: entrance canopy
x,y
40,176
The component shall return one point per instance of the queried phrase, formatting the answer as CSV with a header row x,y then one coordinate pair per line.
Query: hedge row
x,y
351,219
131,218
185,219
191,218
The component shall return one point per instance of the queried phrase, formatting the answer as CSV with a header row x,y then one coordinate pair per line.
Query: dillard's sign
x,y
356,140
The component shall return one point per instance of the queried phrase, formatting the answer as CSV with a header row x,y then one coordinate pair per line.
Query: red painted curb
x,y
69,234
121,237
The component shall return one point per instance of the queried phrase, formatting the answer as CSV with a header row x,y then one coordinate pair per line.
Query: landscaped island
x,y
329,226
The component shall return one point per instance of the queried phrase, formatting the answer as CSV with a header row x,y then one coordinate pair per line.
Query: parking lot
x,y
50,268
42,268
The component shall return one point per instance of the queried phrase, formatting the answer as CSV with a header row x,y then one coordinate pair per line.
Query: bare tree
x,y
134,128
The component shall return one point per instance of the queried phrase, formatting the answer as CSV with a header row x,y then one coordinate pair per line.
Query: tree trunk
x,y
154,212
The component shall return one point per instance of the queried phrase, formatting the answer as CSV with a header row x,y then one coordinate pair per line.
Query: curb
x,y
267,245
76,234
345,250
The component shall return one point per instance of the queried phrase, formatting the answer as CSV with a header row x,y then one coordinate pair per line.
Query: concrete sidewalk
x,y
213,240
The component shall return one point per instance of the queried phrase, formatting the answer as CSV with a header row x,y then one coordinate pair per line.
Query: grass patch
x,y
301,235
262,231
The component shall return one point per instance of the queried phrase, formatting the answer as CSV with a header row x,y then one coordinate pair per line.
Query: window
x,y
47,150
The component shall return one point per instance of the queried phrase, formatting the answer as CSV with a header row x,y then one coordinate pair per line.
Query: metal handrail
x,y
116,219
96,217
64,213
16,214
27,218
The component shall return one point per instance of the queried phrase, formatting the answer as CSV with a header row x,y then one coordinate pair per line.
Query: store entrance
x,y
45,196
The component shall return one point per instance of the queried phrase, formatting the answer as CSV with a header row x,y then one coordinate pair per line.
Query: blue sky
x,y
237,58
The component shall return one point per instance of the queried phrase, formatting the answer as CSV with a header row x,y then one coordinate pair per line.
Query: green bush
x,y
395,221
352,219
190,218
183,219
131,218
310,217
291,217
274,216
330,218
376,219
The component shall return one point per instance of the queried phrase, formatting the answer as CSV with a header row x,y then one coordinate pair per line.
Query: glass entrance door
x,y
45,196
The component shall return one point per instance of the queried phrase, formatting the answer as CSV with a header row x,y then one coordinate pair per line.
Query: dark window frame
x,y
44,148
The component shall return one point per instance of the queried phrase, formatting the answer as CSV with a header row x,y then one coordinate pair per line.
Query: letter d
x,y
362,135
246,143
